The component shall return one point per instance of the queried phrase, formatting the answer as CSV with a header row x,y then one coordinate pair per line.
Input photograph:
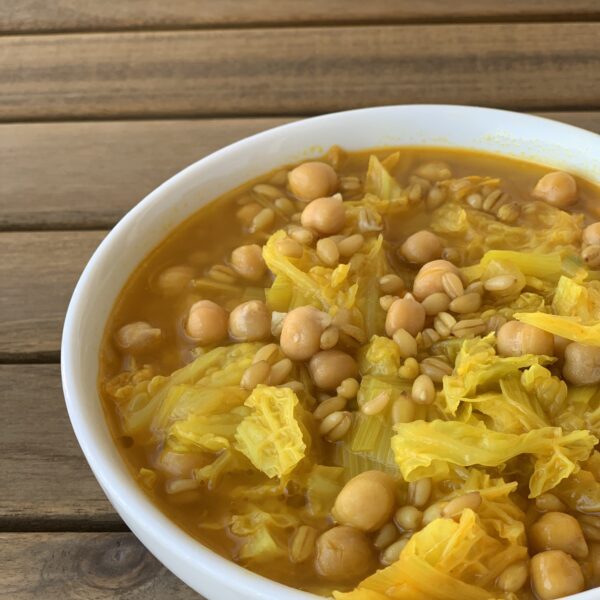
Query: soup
x,y
375,375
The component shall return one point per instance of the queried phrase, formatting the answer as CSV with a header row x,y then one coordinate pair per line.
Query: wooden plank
x,y
45,481
38,272
74,15
297,71
94,566
104,168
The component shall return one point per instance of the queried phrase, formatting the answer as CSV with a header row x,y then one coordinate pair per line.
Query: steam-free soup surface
x,y
378,360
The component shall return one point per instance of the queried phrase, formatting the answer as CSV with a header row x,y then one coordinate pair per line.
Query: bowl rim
x,y
122,490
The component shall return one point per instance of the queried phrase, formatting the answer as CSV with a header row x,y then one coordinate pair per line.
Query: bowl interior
x,y
521,136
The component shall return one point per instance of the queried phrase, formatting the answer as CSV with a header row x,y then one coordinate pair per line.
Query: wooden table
x,y
101,101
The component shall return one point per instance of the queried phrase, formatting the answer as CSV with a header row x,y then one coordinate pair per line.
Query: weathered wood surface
x,y
45,481
298,70
38,272
105,168
73,566
74,15
102,169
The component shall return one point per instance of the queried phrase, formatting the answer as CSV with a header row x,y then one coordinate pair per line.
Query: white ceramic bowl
x,y
506,133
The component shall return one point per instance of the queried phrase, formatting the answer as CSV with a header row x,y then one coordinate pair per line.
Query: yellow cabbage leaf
x,y
160,400
302,281
477,367
271,436
548,230
379,182
572,299
512,410
544,266
549,391
498,514
570,328
367,446
228,461
447,560
263,533
208,433
322,486
381,356
429,449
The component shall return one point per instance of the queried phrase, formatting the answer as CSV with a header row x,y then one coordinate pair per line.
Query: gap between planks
x,y
37,16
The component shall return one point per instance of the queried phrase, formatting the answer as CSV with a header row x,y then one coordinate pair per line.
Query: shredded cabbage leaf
x,y
498,513
379,182
155,402
447,560
544,266
304,281
264,533
570,328
381,356
573,299
271,436
478,366
429,449
323,484
551,230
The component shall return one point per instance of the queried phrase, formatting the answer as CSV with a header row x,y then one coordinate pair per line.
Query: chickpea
x,y
250,321
421,247
173,280
558,531
366,502
515,339
557,188
582,364
312,180
248,262
138,337
207,322
405,313
591,234
301,332
326,216
429,279
555,574
329,368
343,554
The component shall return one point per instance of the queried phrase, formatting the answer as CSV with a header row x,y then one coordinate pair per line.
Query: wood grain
x,y
94,566
45,481
87,175
297,70
38,272
75,15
